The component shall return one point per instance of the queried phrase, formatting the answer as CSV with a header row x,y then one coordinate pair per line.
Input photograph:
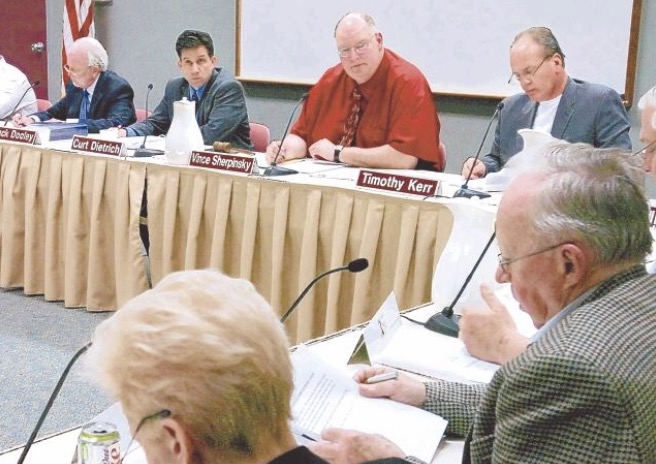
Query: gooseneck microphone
x,y
446,322
274,169
142,151
357,265
53,396
464,191
32,86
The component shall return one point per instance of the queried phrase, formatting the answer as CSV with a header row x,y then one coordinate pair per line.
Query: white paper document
x,y
396,342
325,397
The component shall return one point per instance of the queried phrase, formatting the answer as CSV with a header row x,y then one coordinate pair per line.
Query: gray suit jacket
x,y
221,113
585,392
588,113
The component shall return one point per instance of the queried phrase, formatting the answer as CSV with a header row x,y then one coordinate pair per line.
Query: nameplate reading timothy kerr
x,y
222,161
397,183
97,146
14,134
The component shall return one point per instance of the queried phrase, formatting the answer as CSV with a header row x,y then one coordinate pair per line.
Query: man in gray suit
x,y
220,102
573,235
553,102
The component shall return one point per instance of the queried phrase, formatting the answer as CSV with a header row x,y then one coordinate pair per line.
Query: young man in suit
x,y
573,235
221,110
552,102
95,96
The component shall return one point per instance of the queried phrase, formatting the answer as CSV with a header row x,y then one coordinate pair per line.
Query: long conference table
x,y
70,231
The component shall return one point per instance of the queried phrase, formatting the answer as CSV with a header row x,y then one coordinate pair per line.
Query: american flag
x,y
78,22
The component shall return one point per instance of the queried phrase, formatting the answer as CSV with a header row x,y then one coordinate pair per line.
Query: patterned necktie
x,y
194,96
84,105
351,124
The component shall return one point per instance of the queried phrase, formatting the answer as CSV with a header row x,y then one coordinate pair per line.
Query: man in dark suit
x,y
220,102
552,102
573,234
95,96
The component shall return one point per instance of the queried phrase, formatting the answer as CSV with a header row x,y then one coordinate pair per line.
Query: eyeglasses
x,y
505,262
158,415
74,72
648,151
359,49
520,77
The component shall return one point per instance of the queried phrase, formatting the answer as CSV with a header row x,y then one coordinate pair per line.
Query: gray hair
x,y
648,99
95,51
211,350
366,17
542,36
596,197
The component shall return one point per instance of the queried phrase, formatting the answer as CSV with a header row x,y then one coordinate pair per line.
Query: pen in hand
x,y
382,377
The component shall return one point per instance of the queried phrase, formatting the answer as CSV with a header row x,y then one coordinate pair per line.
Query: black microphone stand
x,y
446,322
53,396
354,266
274,169
20,100
142,151
464,191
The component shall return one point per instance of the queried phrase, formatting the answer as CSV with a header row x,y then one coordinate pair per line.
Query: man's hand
x,y
479,169
341,446
490,333
21,121
121,132
273,149
324,150
402,389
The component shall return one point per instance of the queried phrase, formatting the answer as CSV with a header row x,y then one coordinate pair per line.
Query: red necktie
x,y
351,124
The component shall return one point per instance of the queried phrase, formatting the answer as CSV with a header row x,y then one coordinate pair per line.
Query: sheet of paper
x,y
417,349
326,397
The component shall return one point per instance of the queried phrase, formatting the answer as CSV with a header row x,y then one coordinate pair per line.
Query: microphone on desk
x,y
357,265
32,86
446,322
274,169
53,396
142,151
464,191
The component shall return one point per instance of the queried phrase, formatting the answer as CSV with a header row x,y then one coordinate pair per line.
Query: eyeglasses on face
x,y
359,49
528,74
158,415
505,262
74,72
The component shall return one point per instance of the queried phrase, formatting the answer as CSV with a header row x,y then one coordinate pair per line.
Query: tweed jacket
x,y
588,113
111,105
221,113
585,392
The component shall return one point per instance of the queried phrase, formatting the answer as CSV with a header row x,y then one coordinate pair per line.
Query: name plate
x,y
223,161
397,183
14,134
97,146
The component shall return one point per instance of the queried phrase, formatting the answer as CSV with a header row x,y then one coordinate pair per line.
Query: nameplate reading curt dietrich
x,y
222,161
97,146
397,183
14,134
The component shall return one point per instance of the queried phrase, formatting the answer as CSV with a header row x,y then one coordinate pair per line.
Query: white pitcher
x,y
184,135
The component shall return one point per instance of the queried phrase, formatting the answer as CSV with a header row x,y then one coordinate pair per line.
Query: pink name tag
x,y
397,183
97,146
223,161
14,134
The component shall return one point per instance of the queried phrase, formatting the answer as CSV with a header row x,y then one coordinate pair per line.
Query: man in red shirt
x,y
374,109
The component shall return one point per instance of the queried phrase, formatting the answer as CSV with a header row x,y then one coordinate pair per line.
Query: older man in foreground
x,y
573,236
